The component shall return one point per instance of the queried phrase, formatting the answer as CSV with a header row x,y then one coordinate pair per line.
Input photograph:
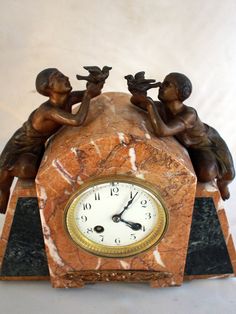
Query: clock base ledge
x,y
78,279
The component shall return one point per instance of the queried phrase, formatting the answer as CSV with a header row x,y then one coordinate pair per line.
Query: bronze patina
x,y
169,116
22,154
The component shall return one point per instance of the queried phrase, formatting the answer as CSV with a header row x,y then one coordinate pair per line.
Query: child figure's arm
x,y
95,81
94,88
171,128
76,97
66,118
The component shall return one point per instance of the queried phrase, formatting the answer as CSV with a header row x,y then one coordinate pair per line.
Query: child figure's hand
x,y
95,79
93,89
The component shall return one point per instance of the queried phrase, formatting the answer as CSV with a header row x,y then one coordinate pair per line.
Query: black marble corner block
x,y
25,251
207,250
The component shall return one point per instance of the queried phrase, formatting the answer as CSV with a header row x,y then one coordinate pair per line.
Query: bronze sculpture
x,y
209,153
23,152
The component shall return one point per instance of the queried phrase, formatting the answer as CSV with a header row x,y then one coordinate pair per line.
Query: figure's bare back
x,y
42,119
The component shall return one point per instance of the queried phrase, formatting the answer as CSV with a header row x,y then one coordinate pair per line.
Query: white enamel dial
x,y
116,218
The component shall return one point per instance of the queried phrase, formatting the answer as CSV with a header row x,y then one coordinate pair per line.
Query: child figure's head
x,y
52,80
176,86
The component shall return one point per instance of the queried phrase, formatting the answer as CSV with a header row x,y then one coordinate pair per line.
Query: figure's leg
x,y
205,165
207,169
26,166
224,181
5,184
226,172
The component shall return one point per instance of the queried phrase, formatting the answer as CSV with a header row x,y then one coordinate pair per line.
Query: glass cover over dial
x,y
116,217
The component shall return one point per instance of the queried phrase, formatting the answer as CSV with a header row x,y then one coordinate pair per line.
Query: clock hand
x,y
117,216
133,225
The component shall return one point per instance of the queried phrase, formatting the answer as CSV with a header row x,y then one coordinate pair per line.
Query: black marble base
x,y
25,253
207,251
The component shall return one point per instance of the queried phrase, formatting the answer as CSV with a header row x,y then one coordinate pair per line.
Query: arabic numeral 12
x,y
114,191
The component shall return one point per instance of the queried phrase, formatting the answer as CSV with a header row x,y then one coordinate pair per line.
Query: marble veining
x,y
125,265
121,137
42,197
132,156
147,135
50,243
158,258
79,180
63,172
96,148
98,263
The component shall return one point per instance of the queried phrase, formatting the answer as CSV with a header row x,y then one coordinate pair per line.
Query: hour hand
x,y
133,225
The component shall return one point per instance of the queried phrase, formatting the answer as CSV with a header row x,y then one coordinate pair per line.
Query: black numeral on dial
x,y
97,196
117,241
144,203
83,218
114,191
148,216
87,206
89,230
133,236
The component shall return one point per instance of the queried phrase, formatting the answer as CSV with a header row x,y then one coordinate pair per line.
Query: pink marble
x,y
117,138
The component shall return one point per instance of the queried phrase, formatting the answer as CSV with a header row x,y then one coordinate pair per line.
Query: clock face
x,y
116,217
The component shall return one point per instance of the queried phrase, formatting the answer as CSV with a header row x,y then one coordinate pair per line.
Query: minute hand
x,y
126,207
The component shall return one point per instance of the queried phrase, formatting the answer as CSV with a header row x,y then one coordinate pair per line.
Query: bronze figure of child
x,y
209,153
23,152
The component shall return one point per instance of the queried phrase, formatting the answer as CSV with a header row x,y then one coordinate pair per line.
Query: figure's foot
x,y
224,190
4,197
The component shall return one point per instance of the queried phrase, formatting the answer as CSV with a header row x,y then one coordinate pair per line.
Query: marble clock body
x,y
115,142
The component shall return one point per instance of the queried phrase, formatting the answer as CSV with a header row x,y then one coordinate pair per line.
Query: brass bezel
x,y
116,251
